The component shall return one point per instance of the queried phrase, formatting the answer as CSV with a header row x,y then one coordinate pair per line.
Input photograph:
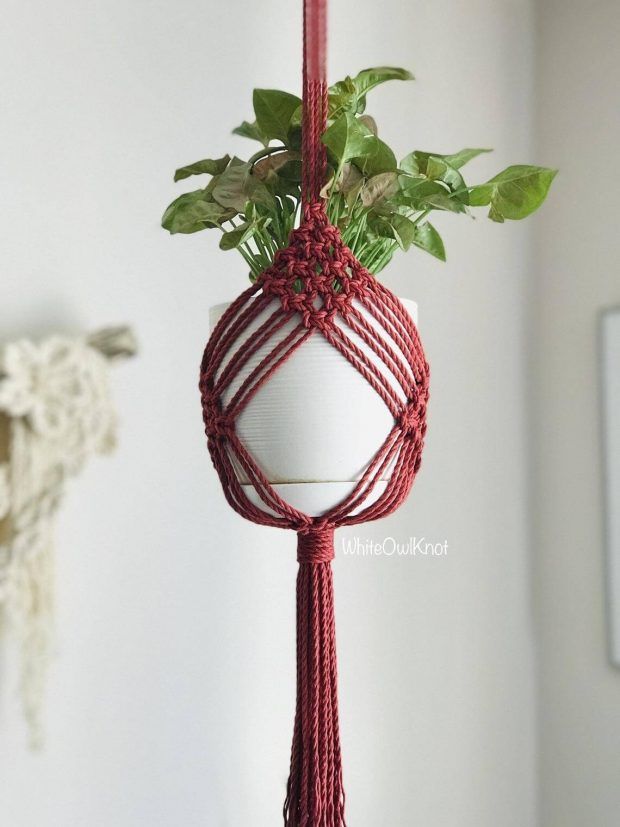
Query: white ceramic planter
x,y
317,423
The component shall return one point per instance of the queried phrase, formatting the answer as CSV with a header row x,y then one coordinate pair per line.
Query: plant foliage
x,y
379,204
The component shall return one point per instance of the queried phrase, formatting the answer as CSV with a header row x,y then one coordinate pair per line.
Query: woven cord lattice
x,y
315,287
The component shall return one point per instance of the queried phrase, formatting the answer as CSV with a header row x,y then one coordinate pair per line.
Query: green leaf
x,y
404,230
350,179
393,225
427,238
415,192
376,158
209,167
436,168
194,211
238,236
274,111
347,138
236,186
231,187
252,131
411,162
287,182
294,139
370,123
259,194
349,95
459,159
342,97
379,188
432,188
350,185
496,216
276,163
514,193
367,79
443,201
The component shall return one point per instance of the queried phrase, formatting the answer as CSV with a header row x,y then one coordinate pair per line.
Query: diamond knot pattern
x,y
316,275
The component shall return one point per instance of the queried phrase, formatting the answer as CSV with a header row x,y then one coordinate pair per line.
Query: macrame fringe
x,y
315,794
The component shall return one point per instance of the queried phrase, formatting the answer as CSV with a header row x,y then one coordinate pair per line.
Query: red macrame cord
x,y
316,287
315,100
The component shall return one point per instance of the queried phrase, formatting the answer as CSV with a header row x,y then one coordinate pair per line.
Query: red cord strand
x,y
315,100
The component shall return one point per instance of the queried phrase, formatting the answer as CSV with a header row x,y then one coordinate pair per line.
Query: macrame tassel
x,y
315,795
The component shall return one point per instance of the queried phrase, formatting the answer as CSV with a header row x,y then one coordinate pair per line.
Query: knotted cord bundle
x,y
315,287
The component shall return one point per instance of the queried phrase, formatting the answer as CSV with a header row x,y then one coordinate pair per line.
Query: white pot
x,y
314,426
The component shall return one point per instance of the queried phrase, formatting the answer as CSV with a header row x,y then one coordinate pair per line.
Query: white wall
x,y
171,699
578,255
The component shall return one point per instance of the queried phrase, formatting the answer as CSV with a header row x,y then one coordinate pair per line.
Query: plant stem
x,y
379,255
250,259
261,247
361,228
337,175
421,216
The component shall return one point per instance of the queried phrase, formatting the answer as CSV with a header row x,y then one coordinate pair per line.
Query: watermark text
x,y
392,547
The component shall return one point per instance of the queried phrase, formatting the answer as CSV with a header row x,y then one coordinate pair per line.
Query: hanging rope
x,y
314,100
315,287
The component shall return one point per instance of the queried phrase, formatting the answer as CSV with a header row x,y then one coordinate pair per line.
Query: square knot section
x,y
316,275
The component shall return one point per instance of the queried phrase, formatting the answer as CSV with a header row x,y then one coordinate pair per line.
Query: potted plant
x,y
381,206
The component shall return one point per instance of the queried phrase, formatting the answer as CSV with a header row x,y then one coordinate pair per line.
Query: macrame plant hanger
x,y
315,287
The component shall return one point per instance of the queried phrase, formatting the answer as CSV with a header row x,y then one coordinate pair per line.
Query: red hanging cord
x,y
314,100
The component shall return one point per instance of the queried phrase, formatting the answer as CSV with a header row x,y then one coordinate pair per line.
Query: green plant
x,y
379,204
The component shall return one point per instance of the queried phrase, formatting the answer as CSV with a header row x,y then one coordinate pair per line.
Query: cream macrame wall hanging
x,y
56,410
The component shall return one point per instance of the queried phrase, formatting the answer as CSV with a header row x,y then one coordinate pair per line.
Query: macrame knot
x,y
314,213
316,276
411,418
319,318
315,545
217,424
